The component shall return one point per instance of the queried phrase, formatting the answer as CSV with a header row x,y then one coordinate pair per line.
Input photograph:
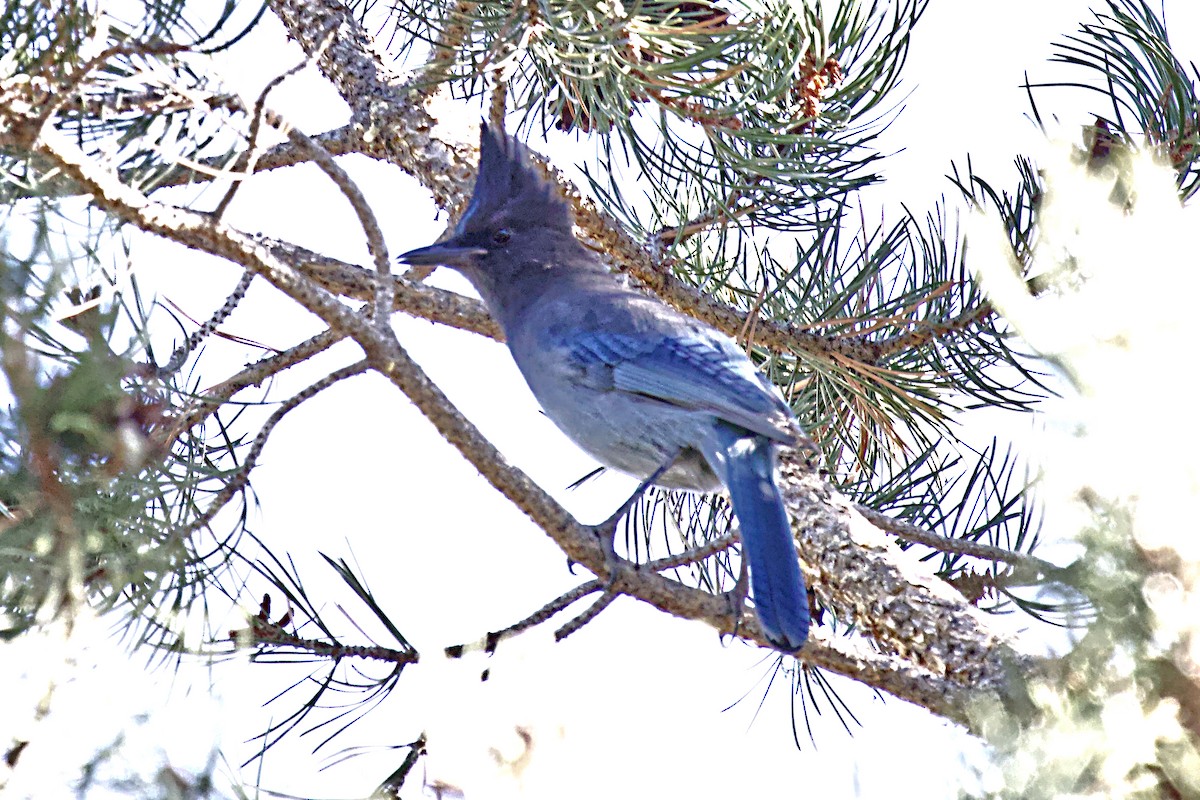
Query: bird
x,y
642,387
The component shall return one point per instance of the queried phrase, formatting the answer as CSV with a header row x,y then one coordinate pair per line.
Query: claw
x,y
606,531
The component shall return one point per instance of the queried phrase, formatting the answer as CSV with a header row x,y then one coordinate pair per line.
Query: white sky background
x,y
633,704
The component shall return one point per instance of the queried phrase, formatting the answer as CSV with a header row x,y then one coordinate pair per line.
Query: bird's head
x,y
514,212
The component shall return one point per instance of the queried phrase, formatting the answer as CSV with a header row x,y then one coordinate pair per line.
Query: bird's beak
x,y
446,253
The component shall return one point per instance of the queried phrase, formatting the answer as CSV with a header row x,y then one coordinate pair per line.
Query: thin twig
x,y
151,101
692,556
339,141
558,604
746,335
384,298
724,212
180,356
593,611
946,544
490,642
390,788
261,113
239,480
253,375
267,637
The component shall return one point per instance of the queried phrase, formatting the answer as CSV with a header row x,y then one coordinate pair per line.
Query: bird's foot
x,y
606,532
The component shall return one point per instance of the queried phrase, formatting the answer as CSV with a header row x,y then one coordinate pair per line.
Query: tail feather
x,y
747,468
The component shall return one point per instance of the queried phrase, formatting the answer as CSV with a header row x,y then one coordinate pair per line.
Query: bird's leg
x,y
606,531
737,595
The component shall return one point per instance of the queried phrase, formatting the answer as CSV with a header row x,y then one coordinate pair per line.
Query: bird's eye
x,y
501,236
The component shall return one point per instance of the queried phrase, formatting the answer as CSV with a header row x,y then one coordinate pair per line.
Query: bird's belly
x,y
635,435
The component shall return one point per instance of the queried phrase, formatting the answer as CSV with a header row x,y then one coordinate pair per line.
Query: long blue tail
x,y
748,471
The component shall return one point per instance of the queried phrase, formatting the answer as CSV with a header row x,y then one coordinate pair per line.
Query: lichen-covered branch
x,y
899,603
415,299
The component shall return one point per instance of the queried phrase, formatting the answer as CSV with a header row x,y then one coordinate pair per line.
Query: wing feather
x,y
701,372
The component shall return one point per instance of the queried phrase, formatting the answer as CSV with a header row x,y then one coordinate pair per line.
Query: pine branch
x,y
268,637
340,141
416,299
147,103
927,332
905,609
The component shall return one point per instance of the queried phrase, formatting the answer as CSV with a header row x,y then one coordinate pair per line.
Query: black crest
x,y
511,189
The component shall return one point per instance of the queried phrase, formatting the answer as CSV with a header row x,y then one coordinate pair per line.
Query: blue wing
x,y
698,371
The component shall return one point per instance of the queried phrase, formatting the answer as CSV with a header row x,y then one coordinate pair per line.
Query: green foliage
x,y
91,501
767,105
33,35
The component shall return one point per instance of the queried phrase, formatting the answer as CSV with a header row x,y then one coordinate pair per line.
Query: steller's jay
x,y
640,386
